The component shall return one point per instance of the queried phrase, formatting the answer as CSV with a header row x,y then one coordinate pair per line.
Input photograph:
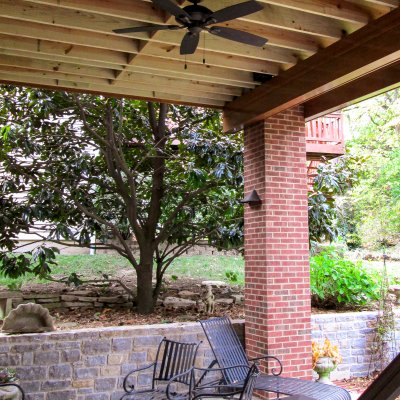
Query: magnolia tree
x,y
99,171
333,179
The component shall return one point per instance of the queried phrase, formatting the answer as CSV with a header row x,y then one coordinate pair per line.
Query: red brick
x,y
278,311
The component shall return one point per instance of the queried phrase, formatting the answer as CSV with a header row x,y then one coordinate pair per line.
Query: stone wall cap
x,y
214,283
7,294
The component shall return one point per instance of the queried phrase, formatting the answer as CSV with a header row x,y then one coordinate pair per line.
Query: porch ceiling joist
x,y
366,51
70,44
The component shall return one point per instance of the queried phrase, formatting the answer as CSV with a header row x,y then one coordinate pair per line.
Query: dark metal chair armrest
x,y
17,386
217,386
207,370
180,378
132,387
273,370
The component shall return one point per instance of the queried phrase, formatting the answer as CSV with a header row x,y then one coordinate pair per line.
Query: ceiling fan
x,y
196,18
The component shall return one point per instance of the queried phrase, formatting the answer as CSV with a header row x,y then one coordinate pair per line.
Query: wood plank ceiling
x,y
69,44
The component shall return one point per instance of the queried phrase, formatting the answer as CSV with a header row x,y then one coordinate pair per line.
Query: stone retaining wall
x,y
90,364
71,299
95,298
203,249
354,335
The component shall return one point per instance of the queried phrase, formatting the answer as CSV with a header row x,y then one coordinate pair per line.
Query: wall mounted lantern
x,y
252,198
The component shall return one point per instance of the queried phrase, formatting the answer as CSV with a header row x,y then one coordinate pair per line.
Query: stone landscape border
x,y
89,364
71,298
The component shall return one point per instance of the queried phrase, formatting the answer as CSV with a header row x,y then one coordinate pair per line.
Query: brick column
x,y
278,309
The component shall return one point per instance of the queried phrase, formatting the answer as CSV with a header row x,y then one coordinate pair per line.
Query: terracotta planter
x,y
10,393
324,366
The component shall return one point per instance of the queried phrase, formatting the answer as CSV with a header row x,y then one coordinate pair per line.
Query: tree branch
x,y
162,236
158,166
115,230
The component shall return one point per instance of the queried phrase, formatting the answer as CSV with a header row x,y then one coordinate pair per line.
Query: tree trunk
x,y
145,301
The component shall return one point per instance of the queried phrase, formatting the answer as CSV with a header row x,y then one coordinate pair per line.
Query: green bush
x,y
336,282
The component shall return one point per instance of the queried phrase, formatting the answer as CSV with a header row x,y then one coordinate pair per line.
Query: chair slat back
x,y
173,358
226,346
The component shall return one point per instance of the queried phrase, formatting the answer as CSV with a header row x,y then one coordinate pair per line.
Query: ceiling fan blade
x,y
189,43
171,7
235,11
238,36
148,28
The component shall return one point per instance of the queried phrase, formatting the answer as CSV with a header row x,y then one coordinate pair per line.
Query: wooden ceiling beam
x,y
68,19
291,20
48,66
217,60
127,43
388,3
204,73
336,9
375,10
57,58
147,65
377,82
215,44
34,30
30,79
141,11
151,81
271,15
63,52
373,47
74,39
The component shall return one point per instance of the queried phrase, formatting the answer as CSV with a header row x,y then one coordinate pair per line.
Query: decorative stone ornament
x,y
209,301
323,367
10,393
28,318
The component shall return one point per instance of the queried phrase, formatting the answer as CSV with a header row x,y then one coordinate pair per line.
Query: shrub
x,y
325,349
7,375
336,282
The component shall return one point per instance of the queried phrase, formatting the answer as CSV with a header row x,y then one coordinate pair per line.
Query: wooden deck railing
x,y
325,136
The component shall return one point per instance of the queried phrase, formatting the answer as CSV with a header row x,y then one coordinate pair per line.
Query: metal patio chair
x,y
172,359
22,397
228,351
206,383
385,387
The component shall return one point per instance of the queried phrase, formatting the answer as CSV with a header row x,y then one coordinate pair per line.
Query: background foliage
x,y
337,282
96,171
374,203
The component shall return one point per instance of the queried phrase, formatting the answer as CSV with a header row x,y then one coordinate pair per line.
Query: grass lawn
x,y
203,267
210,267
226,268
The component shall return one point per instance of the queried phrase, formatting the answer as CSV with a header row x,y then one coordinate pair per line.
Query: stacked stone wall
x,y
74,299
354,334
199,250
90,364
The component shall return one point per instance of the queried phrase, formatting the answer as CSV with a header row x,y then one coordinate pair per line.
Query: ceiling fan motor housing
x,y
196,18
199,16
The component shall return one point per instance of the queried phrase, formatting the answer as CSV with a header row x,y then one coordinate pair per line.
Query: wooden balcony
x,y
325,137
